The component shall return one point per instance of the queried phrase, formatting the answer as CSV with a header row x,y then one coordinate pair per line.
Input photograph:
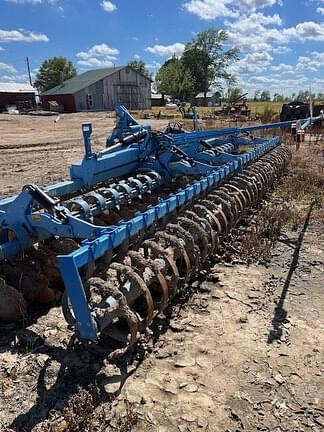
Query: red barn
x,y
22,95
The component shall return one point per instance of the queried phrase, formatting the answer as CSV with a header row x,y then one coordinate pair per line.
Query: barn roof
x,y
16,88
209,94
86,79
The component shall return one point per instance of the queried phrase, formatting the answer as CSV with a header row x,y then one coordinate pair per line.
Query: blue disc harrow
x,y
133,224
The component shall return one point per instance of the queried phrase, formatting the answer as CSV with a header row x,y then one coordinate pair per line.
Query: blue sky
x,y
281,41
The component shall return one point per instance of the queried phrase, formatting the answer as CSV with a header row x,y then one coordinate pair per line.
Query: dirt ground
x,y
241,350
35,149
40,150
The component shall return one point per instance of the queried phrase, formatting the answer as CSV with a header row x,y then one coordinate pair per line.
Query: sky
x,y
281,41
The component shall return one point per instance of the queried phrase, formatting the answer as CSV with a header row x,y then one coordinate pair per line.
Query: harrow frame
x,y
36,214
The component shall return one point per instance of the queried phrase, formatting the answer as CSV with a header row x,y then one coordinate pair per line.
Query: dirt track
x,y
40,150
243,350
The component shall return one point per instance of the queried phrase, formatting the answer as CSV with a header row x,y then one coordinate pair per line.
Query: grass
x,y
261,235
258,109
301,188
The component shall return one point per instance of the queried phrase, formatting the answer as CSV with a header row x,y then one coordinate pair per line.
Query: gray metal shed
x,y
213,98
102,90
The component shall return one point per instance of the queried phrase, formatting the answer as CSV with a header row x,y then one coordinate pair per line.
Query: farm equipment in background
x,y
238,107
297,110
132,225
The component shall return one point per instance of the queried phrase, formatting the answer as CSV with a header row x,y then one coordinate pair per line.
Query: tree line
x,y
302,95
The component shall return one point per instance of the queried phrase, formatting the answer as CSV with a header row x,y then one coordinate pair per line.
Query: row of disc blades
x,y
135,290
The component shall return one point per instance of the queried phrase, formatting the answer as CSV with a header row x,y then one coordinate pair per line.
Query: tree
x,y
207,61
175,80
265,96
304,96
257,95
52,71
140,67
278,97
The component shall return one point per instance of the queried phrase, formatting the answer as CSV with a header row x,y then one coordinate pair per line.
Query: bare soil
x,y
36,149
241,350
40,149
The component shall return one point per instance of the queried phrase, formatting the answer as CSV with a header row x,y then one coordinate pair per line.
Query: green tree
x,y
140,67
265,96
278,97
52,71
257,95
207,60
304,96
175,80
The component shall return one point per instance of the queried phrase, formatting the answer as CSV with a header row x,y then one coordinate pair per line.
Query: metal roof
x,y
16,88
86,79
209,94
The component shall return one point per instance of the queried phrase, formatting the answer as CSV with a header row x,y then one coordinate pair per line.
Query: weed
x,y
126,423
79,414
305,183
259,238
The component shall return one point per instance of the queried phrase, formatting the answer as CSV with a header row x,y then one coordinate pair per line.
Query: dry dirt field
x,y
40,150
241,350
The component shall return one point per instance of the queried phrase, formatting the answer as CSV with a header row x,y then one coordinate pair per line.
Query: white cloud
x,y
310,31
101,50
154,65
134,38
283,68
313,63
108,6
252,5
320,10
100,55
136,57
94,62
256,62
22,36
252,33
4,67
281,50
1,49
167,50
211,9
16,78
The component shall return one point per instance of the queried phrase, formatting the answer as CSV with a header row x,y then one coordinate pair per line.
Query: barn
x,y
102,90
21,95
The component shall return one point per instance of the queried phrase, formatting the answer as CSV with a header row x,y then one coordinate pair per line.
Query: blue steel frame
x,y
91,250
167,156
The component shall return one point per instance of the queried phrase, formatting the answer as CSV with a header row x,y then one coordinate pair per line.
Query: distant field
x,y
256,108
259,107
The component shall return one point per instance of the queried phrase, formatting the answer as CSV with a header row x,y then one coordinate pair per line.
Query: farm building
x,y
213,98
21,95
102,90
158,99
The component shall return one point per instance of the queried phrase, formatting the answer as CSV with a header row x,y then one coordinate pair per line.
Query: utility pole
x,y
28,70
